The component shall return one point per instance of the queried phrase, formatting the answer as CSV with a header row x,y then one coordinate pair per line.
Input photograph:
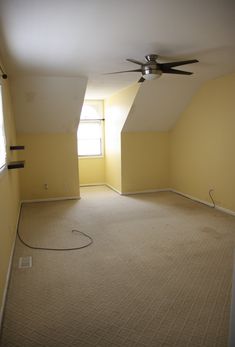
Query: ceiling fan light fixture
x,y
150,74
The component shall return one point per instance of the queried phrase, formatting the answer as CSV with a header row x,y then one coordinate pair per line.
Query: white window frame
x,y
99,120
2,132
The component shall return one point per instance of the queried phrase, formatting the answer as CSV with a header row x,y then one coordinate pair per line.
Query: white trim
x,y
98,156
192,198
52,199
147,191
111,187
219,208
138,192
92,184
9,271
225,210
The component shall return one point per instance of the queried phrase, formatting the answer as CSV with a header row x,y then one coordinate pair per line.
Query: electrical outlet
x,y
46,186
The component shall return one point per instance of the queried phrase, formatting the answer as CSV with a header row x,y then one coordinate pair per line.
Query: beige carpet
x,y
158,273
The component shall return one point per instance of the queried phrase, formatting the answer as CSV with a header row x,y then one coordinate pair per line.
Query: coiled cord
x,y
55,249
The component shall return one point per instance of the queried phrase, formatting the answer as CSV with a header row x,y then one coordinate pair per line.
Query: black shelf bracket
x,y
16,148
15,165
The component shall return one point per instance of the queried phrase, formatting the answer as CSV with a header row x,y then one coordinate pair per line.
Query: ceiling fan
x,y
151,69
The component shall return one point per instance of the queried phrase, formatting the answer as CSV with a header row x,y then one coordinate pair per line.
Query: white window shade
x,y
2,135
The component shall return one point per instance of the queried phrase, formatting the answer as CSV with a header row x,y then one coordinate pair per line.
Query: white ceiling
x,y
74,38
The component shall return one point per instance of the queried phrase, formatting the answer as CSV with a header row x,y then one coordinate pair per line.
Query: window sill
x,y
91,157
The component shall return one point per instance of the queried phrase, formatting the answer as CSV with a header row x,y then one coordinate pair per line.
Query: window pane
x,y
2,135
89,130
89,147
90,138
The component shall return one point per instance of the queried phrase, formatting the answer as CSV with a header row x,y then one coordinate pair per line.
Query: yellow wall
x,y
92,170
117,108
9,196
145,161
203,143
49,159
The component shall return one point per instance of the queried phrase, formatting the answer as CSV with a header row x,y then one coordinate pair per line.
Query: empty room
x,y
117,173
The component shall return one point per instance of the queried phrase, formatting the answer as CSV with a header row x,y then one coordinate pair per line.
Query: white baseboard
x,y
192,198
92,184
225,210
219,208
138,192
9,271
147,191
111,187
52,199
133,193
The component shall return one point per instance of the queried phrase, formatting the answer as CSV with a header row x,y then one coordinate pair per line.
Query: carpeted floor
x,y
158,273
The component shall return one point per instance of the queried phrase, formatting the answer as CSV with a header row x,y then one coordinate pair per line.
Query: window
x,y
90,130
2,135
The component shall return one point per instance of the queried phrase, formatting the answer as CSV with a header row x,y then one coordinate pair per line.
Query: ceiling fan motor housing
x,y
150,70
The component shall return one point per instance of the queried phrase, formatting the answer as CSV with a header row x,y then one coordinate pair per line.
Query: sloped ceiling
x,y
74,38
158,104
47,104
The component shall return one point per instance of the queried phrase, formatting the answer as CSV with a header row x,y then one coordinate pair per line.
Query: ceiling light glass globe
x,y
152,76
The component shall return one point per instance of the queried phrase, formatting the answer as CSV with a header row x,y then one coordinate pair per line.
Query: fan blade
x,y
113,73
177,72
176,63
135,61
141,80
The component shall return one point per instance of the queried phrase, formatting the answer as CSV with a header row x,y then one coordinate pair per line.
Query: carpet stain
x,y
212,232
